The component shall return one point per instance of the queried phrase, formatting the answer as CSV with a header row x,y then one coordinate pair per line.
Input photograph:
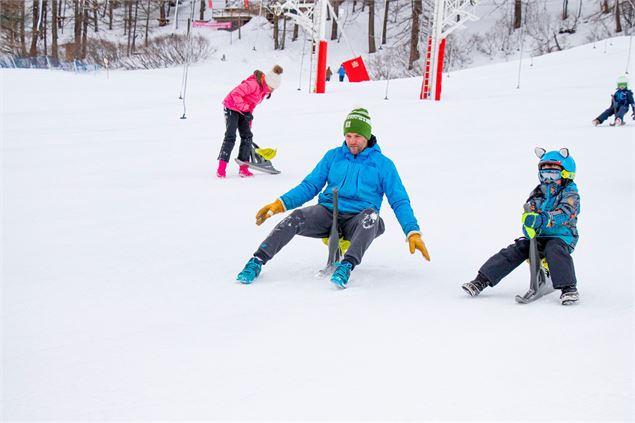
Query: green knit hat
x,y
358,121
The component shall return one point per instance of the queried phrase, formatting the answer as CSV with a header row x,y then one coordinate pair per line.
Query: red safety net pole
x,y
320,83
437,94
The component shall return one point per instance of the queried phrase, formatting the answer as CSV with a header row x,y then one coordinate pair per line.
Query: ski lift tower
x,y
310,15
447,16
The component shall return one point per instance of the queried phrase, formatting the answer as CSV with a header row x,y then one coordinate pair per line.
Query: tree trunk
x,y
565,9
417,8
605,6
77,7
354,4
110,15
54,19
22,29
336,10
284,32
371,27
85,33
95,8
518,14
129,7
383,35
134,28
202,14
295,32
618,21
34,33
145,44
45,25
276,32
162,17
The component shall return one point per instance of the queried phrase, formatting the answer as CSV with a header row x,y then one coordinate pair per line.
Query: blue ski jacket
x,y
361,180
562,205
623,97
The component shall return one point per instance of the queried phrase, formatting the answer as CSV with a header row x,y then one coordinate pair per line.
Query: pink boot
x,y
244,172
221,172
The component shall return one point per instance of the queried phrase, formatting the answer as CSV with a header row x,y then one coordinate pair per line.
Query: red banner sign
x,y
212,24
356,70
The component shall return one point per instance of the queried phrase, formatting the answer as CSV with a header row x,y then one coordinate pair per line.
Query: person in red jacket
x,y
239,106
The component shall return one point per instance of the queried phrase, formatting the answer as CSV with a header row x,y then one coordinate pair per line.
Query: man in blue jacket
x,y
362,175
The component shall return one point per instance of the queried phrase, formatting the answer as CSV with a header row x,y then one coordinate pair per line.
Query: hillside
x,y
120,249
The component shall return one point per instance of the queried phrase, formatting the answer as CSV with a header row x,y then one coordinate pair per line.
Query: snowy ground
x,y
120,248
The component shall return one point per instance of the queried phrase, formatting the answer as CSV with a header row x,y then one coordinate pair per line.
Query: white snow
x,y
120,248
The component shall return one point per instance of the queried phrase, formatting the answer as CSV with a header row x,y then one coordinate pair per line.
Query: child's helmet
x,y
622,82
560,157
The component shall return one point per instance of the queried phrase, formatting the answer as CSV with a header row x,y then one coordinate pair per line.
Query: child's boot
x,y
595,122
569,295
221,172
341,274
251,271
476,286
244,172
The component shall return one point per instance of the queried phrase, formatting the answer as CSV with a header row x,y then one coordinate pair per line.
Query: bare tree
x,y
85,30
371,27
618,21
518,13
202,11
565,9
35,32
336,10
276,32
54,23
605,6
148,10
417,8
383,33
284,32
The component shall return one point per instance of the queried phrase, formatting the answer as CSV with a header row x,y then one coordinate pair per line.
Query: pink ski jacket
x,y
246,96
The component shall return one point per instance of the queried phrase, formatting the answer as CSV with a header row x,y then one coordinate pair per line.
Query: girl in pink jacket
x,y
239,105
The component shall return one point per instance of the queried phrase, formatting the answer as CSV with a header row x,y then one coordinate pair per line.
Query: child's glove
x,y
269,210
532,222
535,220
416,243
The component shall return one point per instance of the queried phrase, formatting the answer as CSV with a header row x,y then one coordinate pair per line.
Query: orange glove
x,y
416,243
269,210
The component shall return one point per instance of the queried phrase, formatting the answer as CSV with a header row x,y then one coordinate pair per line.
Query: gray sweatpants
x,y
315,222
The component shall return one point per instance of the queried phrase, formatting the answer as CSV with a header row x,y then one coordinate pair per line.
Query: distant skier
x,y
341,72
620,101
363,175
239,106
554,205
329,73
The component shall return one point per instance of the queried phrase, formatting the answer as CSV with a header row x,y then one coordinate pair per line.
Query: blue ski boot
x,y
341,274
250,272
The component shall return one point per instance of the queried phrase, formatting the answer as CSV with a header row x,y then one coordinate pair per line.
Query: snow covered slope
x,y
120,248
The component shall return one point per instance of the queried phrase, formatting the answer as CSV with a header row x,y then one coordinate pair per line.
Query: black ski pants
x,y
555,250
315,222
619,112
236,121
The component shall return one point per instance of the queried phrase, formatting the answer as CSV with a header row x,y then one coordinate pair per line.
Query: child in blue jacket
x,y
553,206
620,101
362,175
